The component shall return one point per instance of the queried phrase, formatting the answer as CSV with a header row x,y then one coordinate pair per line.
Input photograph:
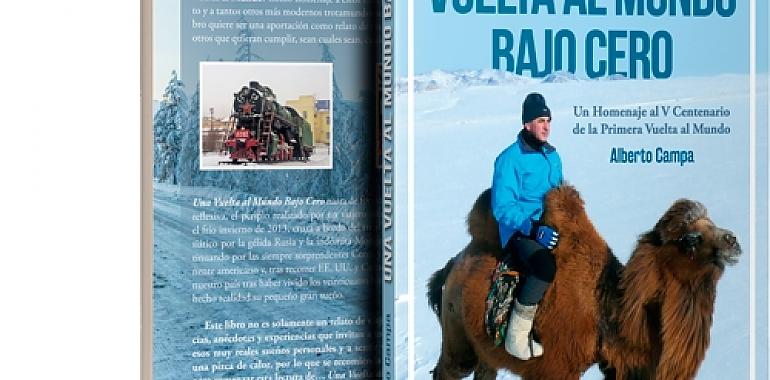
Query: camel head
x,y
692,236
669,287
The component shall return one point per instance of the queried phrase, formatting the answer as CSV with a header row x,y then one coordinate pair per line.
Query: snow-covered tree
x,y
167,126
327,56
352,137
188,166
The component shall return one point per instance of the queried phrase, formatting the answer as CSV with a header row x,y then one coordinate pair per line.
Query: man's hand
x,y
544,235
541,233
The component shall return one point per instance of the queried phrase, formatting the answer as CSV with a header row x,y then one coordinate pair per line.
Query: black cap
x,y
533,107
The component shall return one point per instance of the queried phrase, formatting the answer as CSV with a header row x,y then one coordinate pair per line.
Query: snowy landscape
x,y
464,119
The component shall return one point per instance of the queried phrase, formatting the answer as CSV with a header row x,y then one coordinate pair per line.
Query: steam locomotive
x,y
265,131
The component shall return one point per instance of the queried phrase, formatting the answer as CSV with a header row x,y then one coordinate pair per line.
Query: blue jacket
x,y
522,176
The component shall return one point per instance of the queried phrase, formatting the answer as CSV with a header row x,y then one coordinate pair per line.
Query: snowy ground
x,y
320,159
461,129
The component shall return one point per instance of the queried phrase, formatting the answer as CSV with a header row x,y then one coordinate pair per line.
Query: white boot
x,y
517,340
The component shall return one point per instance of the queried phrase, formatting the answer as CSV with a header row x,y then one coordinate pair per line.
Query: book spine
x,y
387,112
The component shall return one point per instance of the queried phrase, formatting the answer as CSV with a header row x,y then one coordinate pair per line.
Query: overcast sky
x,y
165,52
220,80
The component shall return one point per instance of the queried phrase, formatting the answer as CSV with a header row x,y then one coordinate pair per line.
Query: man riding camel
x,y
524,173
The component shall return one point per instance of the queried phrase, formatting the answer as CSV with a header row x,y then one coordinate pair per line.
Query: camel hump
x,y
564,193
562,203
482,225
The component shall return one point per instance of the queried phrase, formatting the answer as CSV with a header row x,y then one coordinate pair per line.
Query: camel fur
x,y
649,320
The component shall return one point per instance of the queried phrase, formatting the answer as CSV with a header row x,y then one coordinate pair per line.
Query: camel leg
x,y
448,369
458,359
484,372
572,376
608,372
457,356
551,373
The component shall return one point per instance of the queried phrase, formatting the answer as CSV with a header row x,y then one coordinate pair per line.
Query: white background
x,y
69,80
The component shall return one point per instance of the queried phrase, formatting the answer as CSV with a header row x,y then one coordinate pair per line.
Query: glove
x,y
546,236
541,233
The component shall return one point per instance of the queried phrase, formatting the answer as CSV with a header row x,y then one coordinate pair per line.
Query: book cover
x,y
259,177
657,116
